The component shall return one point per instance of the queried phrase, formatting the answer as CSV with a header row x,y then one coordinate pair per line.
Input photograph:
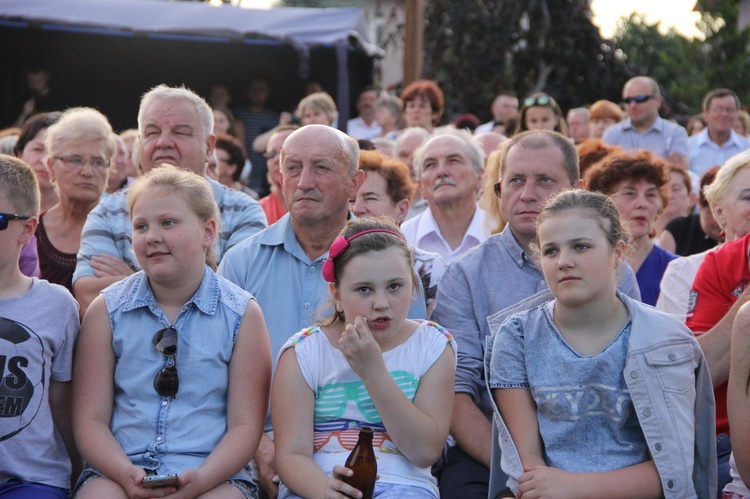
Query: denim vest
x,y
670,385
170,435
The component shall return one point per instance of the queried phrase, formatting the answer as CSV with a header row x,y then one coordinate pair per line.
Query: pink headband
x,y
340,245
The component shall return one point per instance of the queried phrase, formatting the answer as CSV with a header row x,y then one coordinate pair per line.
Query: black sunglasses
x,y
7,217
542,100
638,99
166,382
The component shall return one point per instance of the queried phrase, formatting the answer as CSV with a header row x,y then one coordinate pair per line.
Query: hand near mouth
x,y
361,350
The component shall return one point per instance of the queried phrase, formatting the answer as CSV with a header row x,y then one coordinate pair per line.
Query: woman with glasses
x,y
539,111
79,148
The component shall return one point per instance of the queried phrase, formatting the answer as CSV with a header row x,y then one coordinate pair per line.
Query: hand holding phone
x,y
158,481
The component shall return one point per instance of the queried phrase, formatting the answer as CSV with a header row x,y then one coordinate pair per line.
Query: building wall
x,y
385,19
743,19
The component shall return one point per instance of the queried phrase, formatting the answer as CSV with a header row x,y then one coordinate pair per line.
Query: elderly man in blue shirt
x,y
496,275
282,265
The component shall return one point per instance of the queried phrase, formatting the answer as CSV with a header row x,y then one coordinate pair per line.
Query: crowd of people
x,y
214,304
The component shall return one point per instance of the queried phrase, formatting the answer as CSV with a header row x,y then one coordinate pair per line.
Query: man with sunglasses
x,y
644,128
496,276
718,141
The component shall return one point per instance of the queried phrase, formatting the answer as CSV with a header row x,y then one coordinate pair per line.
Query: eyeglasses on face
x,y
78,162
542,100
7,217
166,382
720,109
638,99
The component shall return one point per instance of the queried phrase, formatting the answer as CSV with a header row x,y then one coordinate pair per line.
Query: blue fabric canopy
x,y
156,17
341,32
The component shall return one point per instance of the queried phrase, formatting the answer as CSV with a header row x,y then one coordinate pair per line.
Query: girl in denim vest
x,y
173,364
601,396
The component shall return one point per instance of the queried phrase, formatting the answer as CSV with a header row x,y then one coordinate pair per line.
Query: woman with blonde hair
x,y
317,109
173,363
80,147
488,200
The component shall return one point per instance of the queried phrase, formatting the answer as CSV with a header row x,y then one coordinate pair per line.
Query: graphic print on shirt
x,y
344,434
22,375
331,405
578,402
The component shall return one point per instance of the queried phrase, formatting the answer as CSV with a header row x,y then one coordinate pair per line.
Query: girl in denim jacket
x,y
598,395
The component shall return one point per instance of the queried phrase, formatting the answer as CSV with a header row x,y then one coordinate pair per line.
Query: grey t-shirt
x,y
38,330
584,407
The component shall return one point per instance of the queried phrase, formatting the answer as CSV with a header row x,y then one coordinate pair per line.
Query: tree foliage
x,y
677,63
686,68
726,46
474,48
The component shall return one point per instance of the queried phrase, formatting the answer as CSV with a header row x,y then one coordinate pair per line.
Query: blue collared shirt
x,y
705,153
487,279
288,286
663,137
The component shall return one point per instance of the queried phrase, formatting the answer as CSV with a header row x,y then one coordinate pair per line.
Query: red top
x,y
721,279
274,207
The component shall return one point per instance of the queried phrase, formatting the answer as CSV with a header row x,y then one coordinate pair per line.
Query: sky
x,y
672,13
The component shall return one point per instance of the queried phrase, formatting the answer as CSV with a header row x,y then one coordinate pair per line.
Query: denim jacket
x,y
671,389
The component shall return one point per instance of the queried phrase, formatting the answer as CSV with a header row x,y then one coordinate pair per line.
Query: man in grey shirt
x,y
498,274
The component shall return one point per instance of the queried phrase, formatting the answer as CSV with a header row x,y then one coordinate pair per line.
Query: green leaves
x,y
475,48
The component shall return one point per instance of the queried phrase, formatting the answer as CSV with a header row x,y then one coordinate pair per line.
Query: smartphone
x,y
157,481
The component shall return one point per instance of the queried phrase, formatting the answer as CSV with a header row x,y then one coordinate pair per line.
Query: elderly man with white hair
x,y
450,167
175,126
